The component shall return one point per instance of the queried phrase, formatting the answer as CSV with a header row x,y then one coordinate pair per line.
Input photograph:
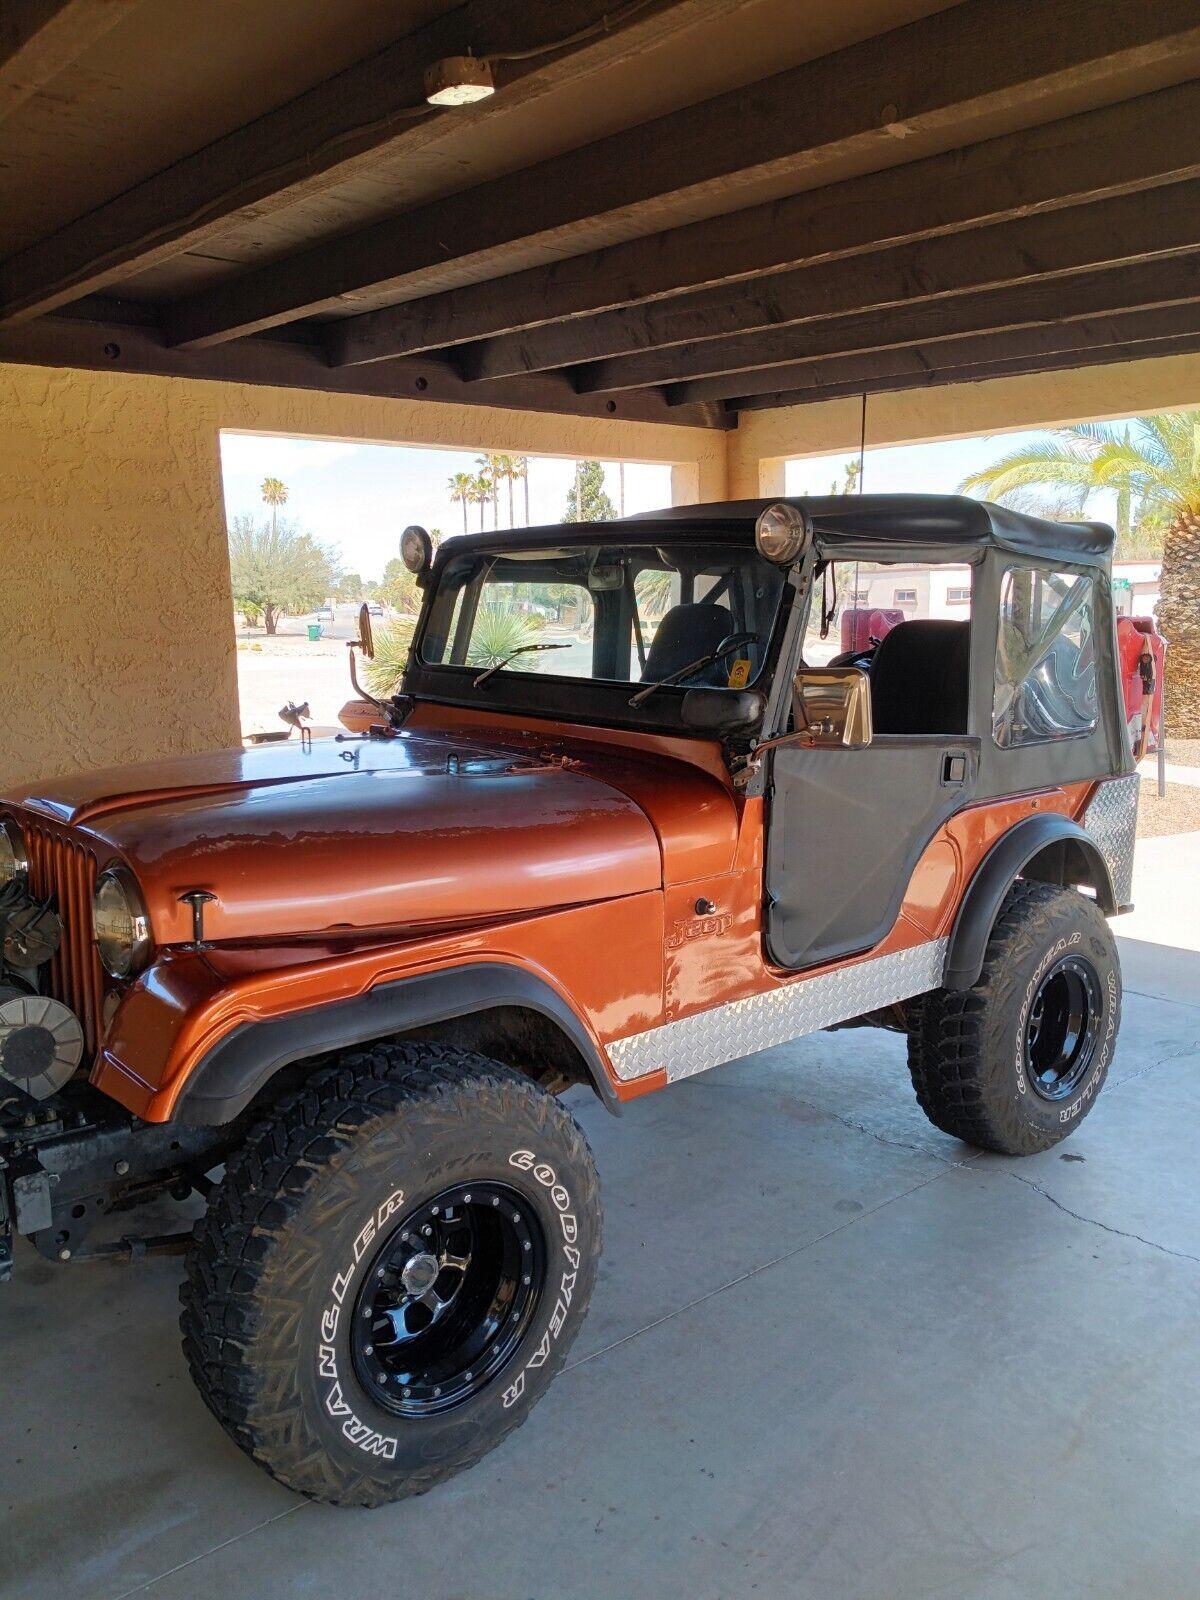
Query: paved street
x,y
832,1354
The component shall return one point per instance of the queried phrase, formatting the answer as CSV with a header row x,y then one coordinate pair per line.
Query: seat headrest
x,y
919,678
686,633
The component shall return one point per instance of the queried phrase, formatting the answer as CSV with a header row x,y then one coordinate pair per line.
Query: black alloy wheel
x,y
1063,1026
448,1298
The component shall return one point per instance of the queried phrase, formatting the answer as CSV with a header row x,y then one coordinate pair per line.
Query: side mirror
x,y
366,638
721,710
831,706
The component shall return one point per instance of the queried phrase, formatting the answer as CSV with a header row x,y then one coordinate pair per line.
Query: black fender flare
x,y
231,1073
1077,859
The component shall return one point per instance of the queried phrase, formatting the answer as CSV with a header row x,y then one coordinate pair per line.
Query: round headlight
x,y
782,533
14,863
120,925
416,549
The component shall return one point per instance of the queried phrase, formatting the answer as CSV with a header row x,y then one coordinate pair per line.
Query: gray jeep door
x,y
845,828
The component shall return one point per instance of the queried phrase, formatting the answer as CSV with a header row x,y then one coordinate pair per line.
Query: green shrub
x,y
382,675
497,633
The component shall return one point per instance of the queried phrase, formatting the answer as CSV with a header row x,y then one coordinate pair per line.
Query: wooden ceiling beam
x,y
1096,155
1178,335
71,340
715,368
342,126
1001,59
41,38
1132,227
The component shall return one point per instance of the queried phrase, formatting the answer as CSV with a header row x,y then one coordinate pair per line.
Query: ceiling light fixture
x,y
458,81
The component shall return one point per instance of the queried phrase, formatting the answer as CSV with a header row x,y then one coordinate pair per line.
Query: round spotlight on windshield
x,y
782,533
416,549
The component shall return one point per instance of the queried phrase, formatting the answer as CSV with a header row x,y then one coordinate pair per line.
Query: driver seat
x,y
686,633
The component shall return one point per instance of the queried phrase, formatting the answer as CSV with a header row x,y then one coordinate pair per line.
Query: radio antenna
x,y
862,461
862,443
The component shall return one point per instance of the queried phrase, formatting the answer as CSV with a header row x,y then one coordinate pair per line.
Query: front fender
x,y
230,1074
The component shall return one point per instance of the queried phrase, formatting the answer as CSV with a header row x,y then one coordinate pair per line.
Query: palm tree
x,y
491,468
480,493
459,485
520,469
274,493
653,590
505,469
1153,464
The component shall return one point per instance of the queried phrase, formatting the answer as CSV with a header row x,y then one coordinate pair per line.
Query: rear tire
x,y
391,1271
1015,1063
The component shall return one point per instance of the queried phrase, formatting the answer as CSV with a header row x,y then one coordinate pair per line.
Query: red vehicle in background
x,y
1142,651
863,627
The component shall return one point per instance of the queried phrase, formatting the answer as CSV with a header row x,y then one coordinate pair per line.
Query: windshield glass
x,y
618,613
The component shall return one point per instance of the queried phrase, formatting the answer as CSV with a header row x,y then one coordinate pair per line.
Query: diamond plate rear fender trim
x,y
1111,820
725,1033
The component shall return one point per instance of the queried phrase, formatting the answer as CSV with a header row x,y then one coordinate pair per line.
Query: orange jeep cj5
x,y
622,821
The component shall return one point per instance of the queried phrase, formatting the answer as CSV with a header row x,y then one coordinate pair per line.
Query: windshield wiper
x,y
731,642
522,650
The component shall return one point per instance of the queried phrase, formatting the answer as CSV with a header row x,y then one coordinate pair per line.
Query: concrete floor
x,y
832,1354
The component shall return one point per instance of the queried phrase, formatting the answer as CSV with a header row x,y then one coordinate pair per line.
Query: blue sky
x,y
921,468
359,497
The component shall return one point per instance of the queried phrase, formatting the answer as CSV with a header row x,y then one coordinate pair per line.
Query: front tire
x,y
392,1271
1015,1063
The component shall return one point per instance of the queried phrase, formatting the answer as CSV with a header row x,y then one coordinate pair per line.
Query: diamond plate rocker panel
x,y
710,1038
1111,819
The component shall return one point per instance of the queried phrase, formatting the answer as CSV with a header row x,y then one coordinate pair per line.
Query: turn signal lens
x,y
120,925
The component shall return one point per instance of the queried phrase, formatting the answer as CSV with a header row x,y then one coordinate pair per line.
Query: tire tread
x,y
948,1055
266,1182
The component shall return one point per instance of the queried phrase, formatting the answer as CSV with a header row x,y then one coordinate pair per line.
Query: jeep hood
x,y
418,831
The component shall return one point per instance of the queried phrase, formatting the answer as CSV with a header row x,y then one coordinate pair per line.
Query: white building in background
x,y
946,591
1135,588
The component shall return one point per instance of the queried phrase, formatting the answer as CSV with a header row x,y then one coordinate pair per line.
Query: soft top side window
x,y
1045,685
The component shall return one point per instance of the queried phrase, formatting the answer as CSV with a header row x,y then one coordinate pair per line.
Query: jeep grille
x,y
67,871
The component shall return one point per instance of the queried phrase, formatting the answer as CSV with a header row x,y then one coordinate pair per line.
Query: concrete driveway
x,y
832,1354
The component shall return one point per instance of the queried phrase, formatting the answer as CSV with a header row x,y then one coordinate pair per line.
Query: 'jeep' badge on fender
x,y
697,928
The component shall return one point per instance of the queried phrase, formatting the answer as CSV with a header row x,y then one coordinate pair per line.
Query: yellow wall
x,y
117,638
117,641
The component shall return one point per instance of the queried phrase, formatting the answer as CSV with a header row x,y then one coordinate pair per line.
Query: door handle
x,y
954,769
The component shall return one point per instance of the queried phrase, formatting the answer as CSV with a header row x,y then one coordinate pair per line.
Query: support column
x,y
118,643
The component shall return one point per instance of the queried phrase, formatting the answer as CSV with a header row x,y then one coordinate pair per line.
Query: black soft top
x,y
868,527
927,527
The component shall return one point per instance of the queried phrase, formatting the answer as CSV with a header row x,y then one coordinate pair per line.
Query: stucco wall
x,y
117,642
117,630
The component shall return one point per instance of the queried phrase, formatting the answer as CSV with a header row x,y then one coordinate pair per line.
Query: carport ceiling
x,y
669,210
